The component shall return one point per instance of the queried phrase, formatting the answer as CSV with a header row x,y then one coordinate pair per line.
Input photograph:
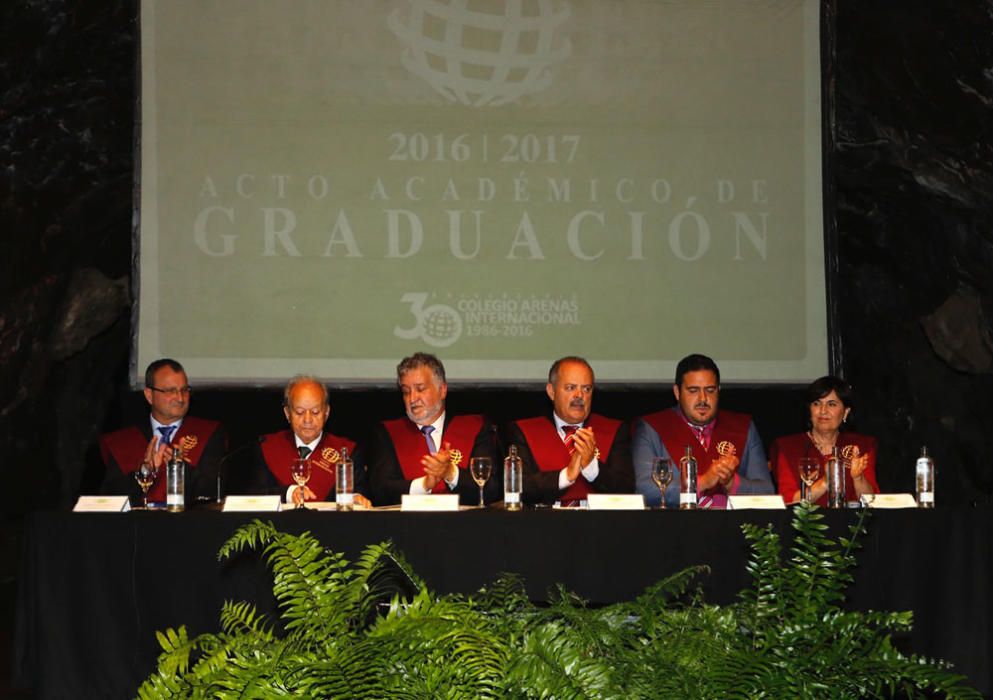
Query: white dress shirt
x,y
591,471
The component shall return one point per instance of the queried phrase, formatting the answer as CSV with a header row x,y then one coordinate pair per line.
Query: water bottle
x,y
513,475
176,481
344,474
835,474
687,480
925,480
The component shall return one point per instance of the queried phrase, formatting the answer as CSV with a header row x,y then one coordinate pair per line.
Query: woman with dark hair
x,y
829,400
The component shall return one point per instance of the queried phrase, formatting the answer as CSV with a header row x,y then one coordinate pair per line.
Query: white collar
x,y
310,445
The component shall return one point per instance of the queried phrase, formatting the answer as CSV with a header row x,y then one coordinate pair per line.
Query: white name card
x,y
432,502
773,502
888,500
241,504
615,501
318,505
102,504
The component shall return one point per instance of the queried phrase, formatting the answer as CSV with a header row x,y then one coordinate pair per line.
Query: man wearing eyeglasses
x,y
204,443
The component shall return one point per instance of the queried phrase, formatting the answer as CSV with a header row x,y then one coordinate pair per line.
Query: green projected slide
x,y
327,186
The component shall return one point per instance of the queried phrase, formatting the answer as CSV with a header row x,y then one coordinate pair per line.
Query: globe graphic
x,y
442,326
482,52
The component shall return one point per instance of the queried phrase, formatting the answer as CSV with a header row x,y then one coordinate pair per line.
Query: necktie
x,y
166,432
427,430
303,451
701,438
569,439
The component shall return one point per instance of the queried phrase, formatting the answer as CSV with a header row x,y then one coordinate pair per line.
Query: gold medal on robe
x,y
850,452
726,448
188,442
329,457
455,457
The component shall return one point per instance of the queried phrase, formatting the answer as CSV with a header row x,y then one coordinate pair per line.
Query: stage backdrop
x,y
329,185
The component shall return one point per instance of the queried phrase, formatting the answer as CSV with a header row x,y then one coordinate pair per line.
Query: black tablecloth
x,y
94,588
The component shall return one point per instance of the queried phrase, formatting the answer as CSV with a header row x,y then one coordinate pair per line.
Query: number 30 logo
x,y
437,325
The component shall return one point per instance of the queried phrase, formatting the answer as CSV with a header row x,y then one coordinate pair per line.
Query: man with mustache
x,y
429,450
204,443
730,457
572,452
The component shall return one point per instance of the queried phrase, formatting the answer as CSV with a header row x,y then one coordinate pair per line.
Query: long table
x,y
95,587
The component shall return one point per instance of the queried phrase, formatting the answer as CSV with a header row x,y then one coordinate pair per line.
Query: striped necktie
x,y
570,437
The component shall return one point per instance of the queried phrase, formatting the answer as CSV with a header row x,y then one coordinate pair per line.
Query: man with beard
x,y
429,450
729,453
572,452
167,392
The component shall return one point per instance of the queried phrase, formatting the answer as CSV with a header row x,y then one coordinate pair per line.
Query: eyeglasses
x,y
174,390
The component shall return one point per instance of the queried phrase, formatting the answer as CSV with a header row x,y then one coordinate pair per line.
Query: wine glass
x,y
662,475
480,468
146,474
300,471
810,471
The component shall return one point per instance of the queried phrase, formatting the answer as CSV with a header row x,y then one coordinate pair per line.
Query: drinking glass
x,y
146,475
662,475
300,471
480,468
810,471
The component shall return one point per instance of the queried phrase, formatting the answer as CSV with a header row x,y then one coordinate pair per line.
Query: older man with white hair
x,y
306,407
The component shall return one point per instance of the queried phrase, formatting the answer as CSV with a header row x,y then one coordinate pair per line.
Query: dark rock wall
x,y
910,167
913,172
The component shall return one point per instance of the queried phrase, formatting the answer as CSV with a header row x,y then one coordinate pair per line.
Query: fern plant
x,y
372,629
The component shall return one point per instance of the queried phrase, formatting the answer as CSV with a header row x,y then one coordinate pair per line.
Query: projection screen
x,y
327,186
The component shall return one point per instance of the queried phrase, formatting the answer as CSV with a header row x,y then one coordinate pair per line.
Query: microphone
x,y
222,465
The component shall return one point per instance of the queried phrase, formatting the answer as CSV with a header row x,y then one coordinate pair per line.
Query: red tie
x,y
570,432
700,436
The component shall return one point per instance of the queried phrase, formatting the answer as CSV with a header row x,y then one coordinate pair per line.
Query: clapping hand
x,y
157,454
585,443
721,472
438,466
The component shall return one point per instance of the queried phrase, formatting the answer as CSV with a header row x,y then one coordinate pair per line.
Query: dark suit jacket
x,y
387,481
201,479
616,469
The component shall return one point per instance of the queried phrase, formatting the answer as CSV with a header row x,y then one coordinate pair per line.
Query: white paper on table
x,y
430,502
102,504
771,502
328,505
615,501
241,504
888,500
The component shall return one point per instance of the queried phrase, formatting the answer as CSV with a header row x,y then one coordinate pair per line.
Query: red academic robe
x,y
676,435
410,445
551,454
279,450
785,452
126,448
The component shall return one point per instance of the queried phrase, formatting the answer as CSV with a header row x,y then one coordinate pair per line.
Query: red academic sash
x,y
676,435
279,450
551,454
789,449
410,446
127,447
